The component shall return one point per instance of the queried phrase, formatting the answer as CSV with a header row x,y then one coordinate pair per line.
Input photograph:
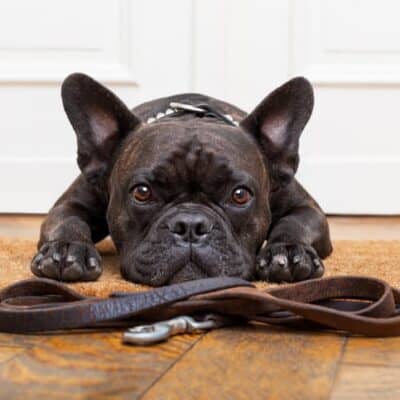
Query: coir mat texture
x,y
380,259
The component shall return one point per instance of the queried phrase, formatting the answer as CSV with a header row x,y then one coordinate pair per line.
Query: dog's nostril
x,y
180,228
202,228
190,227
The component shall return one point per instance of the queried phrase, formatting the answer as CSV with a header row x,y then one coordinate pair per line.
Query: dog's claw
x,y
262,264
71,258
280,260
37,259
93,263
296,259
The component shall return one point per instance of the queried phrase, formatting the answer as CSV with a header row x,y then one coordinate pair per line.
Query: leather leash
x,y
357,305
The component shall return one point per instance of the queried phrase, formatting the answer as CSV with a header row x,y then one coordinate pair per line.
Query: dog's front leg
x,y
66,248
78,219
295,246
299,234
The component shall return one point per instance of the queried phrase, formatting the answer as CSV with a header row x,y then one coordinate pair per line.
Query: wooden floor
x,y
252,362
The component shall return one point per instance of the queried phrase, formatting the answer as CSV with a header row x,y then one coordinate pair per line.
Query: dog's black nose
x,y
190,227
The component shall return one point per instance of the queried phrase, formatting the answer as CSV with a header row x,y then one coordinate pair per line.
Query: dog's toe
x,y
301,263
280,268
319,268
68,262
48,261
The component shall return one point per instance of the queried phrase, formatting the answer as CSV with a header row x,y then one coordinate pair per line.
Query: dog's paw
x,y
282,262
67,261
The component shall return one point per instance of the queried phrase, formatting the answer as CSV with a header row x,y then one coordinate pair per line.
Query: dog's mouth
x,y
191,263
171,270
189,271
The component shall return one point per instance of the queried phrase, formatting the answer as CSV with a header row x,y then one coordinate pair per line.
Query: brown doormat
x,y
380,259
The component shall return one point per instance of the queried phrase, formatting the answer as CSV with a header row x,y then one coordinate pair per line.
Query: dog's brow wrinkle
x,y
191,165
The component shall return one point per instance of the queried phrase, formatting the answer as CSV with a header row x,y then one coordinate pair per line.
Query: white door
x,y
237,50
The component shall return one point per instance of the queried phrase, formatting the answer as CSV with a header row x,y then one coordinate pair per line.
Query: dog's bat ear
x,y
100,120
277,123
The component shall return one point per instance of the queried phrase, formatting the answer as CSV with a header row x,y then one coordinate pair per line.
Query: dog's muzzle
x,y
190,241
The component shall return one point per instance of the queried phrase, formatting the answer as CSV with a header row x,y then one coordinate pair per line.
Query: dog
x,y
187,187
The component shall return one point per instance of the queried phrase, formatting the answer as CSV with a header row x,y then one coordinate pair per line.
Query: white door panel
x,y
351,150
128,45
233,49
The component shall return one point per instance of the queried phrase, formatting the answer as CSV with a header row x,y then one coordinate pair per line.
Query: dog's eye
x,y
241,196
141,193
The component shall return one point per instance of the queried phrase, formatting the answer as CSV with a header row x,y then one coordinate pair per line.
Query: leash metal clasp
x,y
161,331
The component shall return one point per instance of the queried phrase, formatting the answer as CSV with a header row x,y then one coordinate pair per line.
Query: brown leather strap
x,y
38,304
357,305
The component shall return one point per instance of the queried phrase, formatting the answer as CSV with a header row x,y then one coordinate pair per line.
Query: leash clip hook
x,y
163,330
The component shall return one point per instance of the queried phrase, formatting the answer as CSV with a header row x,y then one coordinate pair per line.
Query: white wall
x,y
237,50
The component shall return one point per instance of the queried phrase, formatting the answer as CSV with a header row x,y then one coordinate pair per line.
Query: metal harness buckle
x,y
201,110
163,330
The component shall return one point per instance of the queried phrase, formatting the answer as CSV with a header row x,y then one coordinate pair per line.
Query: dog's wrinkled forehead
x,y
191,154
192,165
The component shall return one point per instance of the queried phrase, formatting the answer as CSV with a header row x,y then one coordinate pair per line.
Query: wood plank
x,y
370,369
365,228
342,227
366,382
20,226
7,353
21,341
256,362
82,365
373,352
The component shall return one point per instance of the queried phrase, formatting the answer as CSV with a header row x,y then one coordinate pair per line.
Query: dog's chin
x,y
189,272
186,268
184,271
162,276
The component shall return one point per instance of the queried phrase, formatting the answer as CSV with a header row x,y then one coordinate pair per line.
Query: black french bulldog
x,y
185,194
